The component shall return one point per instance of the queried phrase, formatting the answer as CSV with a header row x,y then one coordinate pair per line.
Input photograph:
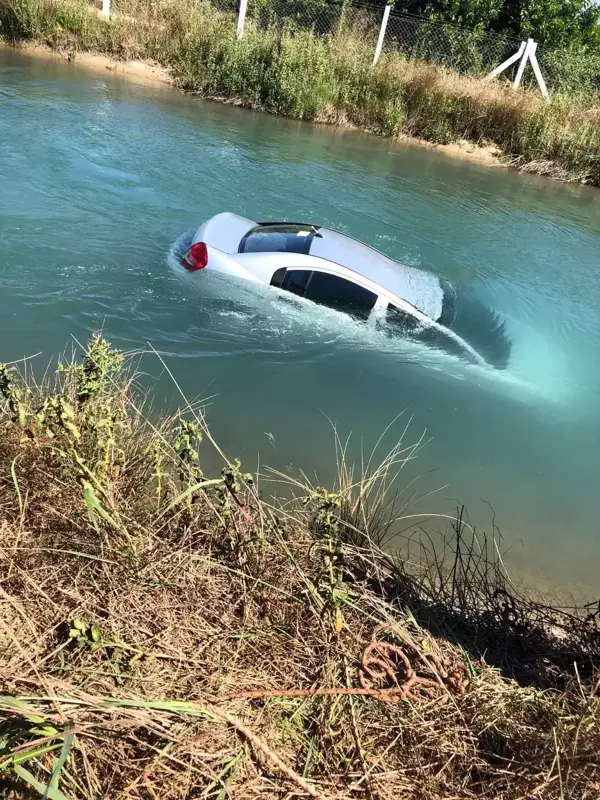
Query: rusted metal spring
x,y
378,663
381,661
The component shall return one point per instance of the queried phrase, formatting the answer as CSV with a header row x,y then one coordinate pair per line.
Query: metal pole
x,y
384,22
105,9
242,18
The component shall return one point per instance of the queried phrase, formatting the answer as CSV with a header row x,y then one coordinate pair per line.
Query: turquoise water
x,y
99,179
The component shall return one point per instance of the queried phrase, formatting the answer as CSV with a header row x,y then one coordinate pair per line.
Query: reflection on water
x,y
92,200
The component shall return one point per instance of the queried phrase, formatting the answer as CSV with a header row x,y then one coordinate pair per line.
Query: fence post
x,y
242,18
508,63
105,13
538,73
521,70
384,22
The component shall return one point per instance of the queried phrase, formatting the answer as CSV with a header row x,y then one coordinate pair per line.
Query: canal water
x,y
101,180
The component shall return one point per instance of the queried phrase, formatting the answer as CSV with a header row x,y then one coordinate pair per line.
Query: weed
x,y
228,494
12,396
83,634
93,375
173,638
326,526
57,416
189,436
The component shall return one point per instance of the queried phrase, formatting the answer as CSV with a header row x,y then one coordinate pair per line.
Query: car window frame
x,y
380,303
312,263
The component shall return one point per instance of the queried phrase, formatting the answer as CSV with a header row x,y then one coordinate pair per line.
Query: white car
x,y
332,269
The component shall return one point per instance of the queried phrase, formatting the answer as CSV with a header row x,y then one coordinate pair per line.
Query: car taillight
x,y
197,256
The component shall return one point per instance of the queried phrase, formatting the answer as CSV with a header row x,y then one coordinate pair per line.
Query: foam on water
x,y
537,372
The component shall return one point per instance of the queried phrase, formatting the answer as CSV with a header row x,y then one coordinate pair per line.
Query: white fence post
x,y
508,63
242,18
537,72
384,22
521,70
526,52
105,13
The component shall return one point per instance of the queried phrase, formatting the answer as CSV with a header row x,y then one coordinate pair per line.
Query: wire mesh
x,y
570,69
467,51
322,18
461,49
229,6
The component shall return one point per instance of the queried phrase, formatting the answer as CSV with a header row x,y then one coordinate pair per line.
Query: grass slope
x,y
165,633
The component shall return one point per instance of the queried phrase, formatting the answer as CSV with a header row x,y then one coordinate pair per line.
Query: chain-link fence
x,y
323,18
461,49
473,52
467,51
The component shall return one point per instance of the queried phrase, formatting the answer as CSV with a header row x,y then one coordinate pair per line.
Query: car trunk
x,y
224,232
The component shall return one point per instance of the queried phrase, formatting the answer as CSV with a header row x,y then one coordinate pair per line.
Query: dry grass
x,y
331,79
140,600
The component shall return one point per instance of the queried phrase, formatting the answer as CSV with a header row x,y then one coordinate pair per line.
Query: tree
x,y
556,23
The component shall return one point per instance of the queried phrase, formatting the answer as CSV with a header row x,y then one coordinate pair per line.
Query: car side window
x,y
278,277
400,321
296,280
328,290
292,280
340,294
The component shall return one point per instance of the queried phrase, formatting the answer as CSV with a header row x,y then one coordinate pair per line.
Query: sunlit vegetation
x,y
286,69
169,631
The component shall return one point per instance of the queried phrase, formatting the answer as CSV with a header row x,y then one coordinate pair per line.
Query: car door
x,y
327,289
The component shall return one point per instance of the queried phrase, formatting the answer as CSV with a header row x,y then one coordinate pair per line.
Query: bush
x,y
210,641
571,69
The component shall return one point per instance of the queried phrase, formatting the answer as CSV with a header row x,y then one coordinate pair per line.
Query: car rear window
x,y
278,238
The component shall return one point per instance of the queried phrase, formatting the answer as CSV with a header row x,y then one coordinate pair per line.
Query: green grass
x,y
292,72
141,600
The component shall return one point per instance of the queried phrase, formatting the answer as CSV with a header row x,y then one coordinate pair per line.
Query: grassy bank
x,y
329,79
166,633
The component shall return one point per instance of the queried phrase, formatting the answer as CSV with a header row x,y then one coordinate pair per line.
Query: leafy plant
x,y
188,438
327,527
228,492
100,363
83,635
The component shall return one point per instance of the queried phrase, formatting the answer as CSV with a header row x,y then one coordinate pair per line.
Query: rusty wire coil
x,y
386,667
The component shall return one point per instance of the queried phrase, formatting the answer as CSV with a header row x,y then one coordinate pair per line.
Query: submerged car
x,y
335,270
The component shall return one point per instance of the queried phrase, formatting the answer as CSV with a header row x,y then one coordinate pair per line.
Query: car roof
x,y
421,289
